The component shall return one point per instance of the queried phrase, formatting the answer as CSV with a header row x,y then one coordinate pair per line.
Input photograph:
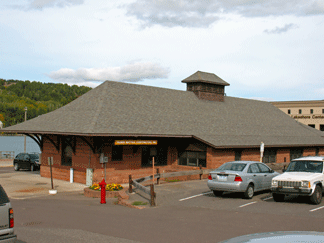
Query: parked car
x,y
29,161
241,176
6,219
304,176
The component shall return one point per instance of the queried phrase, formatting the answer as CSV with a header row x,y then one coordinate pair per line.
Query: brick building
x,y
129,124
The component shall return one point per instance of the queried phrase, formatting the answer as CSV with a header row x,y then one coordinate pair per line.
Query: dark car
x,y
27,161
6,219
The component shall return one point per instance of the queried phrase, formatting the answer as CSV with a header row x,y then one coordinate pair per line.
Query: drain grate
x,y
32,223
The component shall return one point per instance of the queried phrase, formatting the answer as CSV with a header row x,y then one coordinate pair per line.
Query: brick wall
x,y
283,155
309,152
217,157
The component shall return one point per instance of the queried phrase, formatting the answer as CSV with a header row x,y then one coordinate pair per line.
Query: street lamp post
x,y
25,135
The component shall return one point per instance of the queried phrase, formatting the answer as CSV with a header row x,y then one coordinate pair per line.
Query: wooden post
x,y
158,179
50,159
152,195
200,167
130,188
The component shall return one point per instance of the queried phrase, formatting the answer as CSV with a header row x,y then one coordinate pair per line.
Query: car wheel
x,y
316,198
249,193
16,166
278,197
218,193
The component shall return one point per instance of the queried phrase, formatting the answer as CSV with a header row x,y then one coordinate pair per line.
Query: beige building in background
x,y
310,113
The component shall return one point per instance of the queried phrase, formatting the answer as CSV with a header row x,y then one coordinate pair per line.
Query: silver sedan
x,y
241,176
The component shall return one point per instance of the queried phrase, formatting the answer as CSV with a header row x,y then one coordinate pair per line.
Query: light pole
x,y
25,135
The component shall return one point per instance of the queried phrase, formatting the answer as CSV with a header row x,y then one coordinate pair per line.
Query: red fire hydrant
x,y
103,191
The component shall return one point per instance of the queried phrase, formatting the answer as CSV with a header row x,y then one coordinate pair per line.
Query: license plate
x,y
222,178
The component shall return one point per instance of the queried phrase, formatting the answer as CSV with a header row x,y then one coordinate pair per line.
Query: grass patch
x,y
175,180
139,203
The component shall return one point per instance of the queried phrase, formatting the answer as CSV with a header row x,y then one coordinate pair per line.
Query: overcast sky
x,y
266,49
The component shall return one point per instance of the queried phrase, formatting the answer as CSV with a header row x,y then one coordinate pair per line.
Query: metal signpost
x,y
104,160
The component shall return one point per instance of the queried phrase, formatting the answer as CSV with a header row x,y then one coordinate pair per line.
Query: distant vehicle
x,y
6,219
29,161
304,176
241,176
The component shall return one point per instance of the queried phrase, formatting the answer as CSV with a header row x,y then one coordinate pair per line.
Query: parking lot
x,y
196,194
185,211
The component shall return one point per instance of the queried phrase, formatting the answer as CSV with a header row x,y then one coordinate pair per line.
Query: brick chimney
x,y
206,86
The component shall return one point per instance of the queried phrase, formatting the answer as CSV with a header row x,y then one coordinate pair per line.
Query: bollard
x,y
103,191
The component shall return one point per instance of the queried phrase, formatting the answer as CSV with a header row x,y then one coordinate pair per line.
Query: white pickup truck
x,y
304,176
6,219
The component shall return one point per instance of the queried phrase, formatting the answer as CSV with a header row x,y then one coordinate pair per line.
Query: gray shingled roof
x,y
115,108
204,77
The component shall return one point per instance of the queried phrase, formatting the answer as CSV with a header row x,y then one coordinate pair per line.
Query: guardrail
x,y
7,154
158,176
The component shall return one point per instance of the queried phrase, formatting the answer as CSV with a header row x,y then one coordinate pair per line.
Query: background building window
x,y
192,158
299,111
117,153
311,125
323,111
269,156
311,111
322,127
289,111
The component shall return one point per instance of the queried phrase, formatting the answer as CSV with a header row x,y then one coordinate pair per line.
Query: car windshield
x,y
34,156
305,166
232,166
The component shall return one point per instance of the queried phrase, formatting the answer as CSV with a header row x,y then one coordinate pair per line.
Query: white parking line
x,y
267,198
316,209
194,196
246,204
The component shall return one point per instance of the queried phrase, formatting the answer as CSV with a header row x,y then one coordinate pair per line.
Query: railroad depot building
x,y
310,113
127,125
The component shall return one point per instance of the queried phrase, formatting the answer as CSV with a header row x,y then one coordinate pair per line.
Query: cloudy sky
x,y
266,49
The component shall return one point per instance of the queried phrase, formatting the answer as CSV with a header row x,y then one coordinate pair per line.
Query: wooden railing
x,y
150,191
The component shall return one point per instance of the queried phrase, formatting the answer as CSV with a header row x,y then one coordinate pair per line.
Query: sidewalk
x,y
27,184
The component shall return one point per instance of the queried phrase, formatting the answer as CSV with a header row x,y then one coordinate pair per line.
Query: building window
x,y
117,153
270,156
299,111
322,127
296,153
311,125
238,155
316,151
289,111
67,152
323,111
311,111
192,158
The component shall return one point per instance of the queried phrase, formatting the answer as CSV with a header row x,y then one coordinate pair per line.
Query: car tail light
x,y
238,178
209,177
11,218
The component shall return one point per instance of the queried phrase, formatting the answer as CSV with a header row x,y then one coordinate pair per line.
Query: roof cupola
x,y
206,86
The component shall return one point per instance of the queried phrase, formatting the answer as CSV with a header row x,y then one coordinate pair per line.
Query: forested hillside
x,y
39,98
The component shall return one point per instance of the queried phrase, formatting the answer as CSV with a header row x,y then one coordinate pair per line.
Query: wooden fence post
x,y
130,188
158,179
152,195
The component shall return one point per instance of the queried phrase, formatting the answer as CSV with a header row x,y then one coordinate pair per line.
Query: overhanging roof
x,y
123,109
